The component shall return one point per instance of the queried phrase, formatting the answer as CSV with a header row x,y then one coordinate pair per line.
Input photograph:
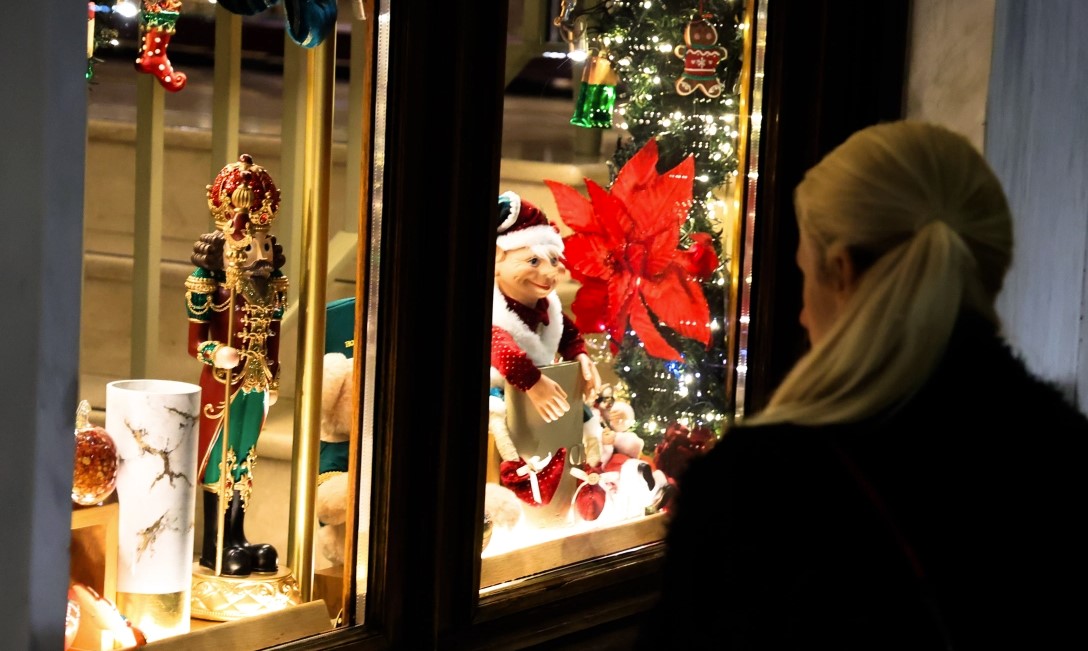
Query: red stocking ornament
x,y
534,480
157,28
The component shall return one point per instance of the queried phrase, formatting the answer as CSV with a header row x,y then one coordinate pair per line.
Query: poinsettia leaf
x,y
638,171
622,291
635,258
679,303
590,307
647,331
587,255
638,183
622,294
665,204
610,212
574,210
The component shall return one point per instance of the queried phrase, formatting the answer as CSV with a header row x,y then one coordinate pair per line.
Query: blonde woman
x,y
910,484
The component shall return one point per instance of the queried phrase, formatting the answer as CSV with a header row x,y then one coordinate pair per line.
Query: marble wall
x,y
949,64
1011,76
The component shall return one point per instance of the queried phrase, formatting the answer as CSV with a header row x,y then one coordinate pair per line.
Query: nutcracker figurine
x,y
235,299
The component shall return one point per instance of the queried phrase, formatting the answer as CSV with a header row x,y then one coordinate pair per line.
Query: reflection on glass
x,y
368,355
752,178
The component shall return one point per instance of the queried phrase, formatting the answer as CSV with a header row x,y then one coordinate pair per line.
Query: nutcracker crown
x,y
243,199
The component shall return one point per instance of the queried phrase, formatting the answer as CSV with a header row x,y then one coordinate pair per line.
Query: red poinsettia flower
x,y
624,252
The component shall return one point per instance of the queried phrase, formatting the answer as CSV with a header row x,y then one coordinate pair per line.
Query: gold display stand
x,y
533,559
94,547
228,598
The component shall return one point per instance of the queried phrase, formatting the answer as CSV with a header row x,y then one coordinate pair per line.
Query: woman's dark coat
x,y
956,518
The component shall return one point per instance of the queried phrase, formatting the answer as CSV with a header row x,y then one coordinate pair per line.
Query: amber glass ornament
x,y
95,474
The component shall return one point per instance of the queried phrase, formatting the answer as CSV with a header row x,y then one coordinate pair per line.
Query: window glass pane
x,y
628,130
153,278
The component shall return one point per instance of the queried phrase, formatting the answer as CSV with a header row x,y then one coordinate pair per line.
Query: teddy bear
x,y
337,405
333,490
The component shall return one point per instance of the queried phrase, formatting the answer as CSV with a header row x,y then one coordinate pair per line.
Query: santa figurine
x,y
529,330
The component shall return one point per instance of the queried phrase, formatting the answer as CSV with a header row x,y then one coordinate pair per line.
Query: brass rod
x,y
147,229
224,437
227,89
311,322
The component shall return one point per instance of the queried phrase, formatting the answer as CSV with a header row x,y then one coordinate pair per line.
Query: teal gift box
x,y
340,327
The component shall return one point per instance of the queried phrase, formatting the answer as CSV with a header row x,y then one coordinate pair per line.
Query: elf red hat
x,y
522,224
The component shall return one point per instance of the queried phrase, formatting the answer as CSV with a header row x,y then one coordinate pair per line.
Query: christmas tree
x,y
678,65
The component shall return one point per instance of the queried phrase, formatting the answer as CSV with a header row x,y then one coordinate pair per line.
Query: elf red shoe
x,y
535,480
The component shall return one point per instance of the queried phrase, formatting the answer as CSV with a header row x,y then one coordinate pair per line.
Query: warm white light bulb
x,y
125,8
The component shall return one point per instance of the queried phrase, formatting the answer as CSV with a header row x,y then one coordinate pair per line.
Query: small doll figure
x,y
701,54
530,330
235,300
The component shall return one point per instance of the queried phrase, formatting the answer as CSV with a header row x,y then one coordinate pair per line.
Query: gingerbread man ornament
x,y
701,54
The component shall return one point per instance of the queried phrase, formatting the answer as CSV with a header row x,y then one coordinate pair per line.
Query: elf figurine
x,y
701,54
156,29
530,330
235,300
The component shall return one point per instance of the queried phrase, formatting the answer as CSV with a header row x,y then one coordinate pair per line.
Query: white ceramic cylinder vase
x,y
155,425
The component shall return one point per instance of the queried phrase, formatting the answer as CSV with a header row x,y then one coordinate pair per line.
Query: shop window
x,y
652,116
225,101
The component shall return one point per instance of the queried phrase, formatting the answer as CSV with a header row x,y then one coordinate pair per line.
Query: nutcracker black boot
x,y
236,562
262,555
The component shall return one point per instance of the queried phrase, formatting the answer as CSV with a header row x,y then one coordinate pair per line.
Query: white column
x,y
44,116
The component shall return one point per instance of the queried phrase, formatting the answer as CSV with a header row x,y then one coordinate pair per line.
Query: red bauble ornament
x,y
95,473
679,446
590,497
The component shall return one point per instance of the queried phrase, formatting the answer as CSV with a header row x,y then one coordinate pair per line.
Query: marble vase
x,y
154,424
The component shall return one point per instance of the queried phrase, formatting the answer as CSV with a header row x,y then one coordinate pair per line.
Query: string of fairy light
x,y
640,39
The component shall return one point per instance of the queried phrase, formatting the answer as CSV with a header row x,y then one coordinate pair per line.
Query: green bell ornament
x,y
596,94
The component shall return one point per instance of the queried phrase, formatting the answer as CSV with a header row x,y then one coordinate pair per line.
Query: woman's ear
x,y
842,273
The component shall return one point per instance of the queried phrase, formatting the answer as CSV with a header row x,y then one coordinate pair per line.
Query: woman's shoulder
x,y
987,377
779,448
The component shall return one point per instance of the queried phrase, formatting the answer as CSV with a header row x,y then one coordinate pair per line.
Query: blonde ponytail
x,y
922,204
